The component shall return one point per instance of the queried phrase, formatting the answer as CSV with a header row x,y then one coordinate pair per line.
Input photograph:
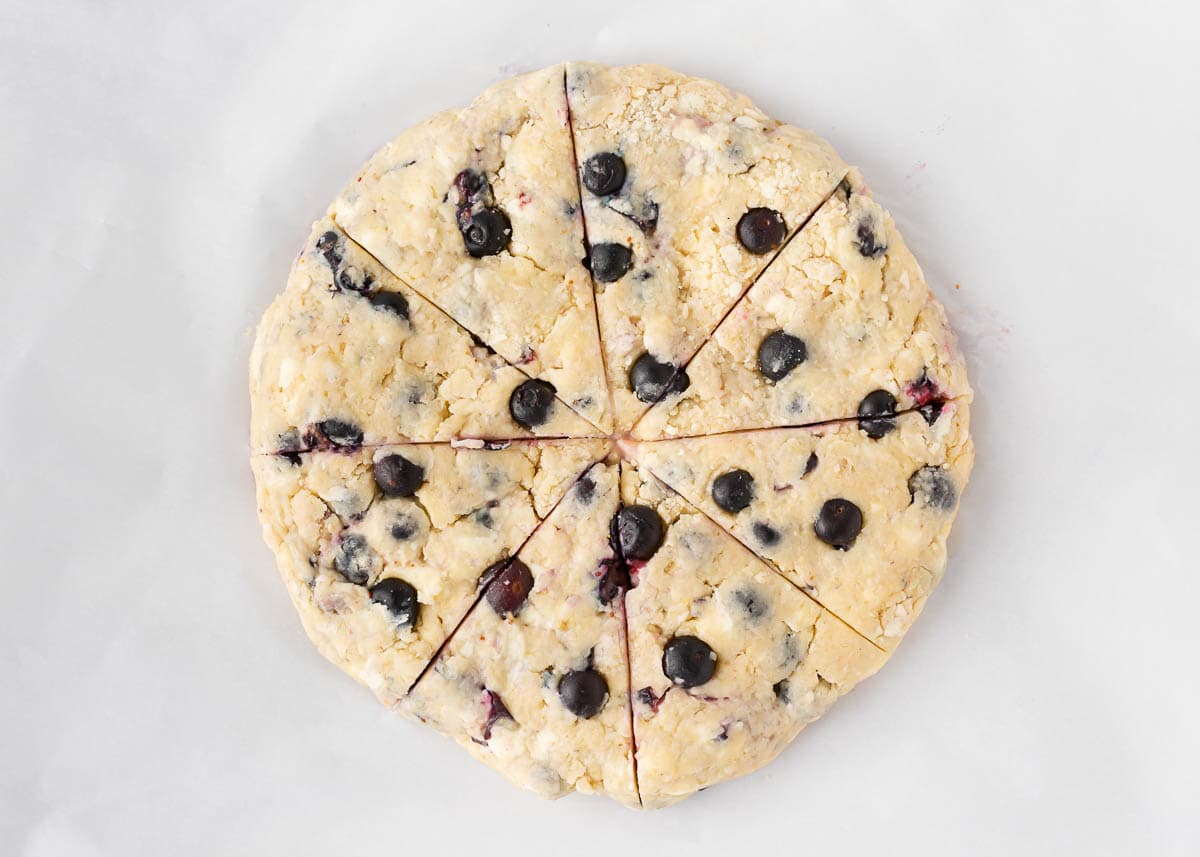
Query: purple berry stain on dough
x,y
496,711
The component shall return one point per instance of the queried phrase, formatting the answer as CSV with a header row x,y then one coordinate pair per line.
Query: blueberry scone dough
x,y
856,513
478,210
841,323
688,192
535,682
347,355
728,661
382,549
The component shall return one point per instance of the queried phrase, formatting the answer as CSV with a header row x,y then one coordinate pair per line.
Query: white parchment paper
x,y
160,164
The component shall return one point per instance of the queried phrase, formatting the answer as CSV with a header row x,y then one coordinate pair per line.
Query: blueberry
x,y
838,523
752,603
877,413
404,527
400,599
614,579
638,532
496,710
610,262
583,692
531,403
810,465
470,186
604,173
327,246
393,302
336,433
932,410
733,491
761,230
868,245
779,354
509,588
396,476
766,535
347,283
354,559
485,232
933,487
651,379
688,661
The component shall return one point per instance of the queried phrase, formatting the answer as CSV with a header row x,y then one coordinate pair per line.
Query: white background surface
x,y
160,164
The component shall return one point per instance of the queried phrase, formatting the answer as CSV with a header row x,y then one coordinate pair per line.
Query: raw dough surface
x,y
608,427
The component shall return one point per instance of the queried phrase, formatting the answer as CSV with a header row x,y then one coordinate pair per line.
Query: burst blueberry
x,y
354,559
399,597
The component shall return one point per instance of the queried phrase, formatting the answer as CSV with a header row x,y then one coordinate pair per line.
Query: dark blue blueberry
x,y
868,245
604,173
637,532
810,465
583,692
688,661
838,523
779,354
510,588
877,413
485,232
396,476
651,379
610,262
334,432
392,302
585,490
761,230
400,599
327,246
733,491
531,403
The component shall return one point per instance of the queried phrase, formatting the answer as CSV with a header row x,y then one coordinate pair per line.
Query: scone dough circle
x,y
609,427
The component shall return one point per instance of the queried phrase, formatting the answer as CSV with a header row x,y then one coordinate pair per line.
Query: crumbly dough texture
x,y
880,583
475,507
441,397
325,352
520,660
847,287
782,660
532,302
698,156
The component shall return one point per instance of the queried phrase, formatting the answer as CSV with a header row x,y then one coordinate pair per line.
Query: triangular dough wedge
x,y
848,289
697,158
337,537
347,355
905,486
781,659
501,686
532,300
